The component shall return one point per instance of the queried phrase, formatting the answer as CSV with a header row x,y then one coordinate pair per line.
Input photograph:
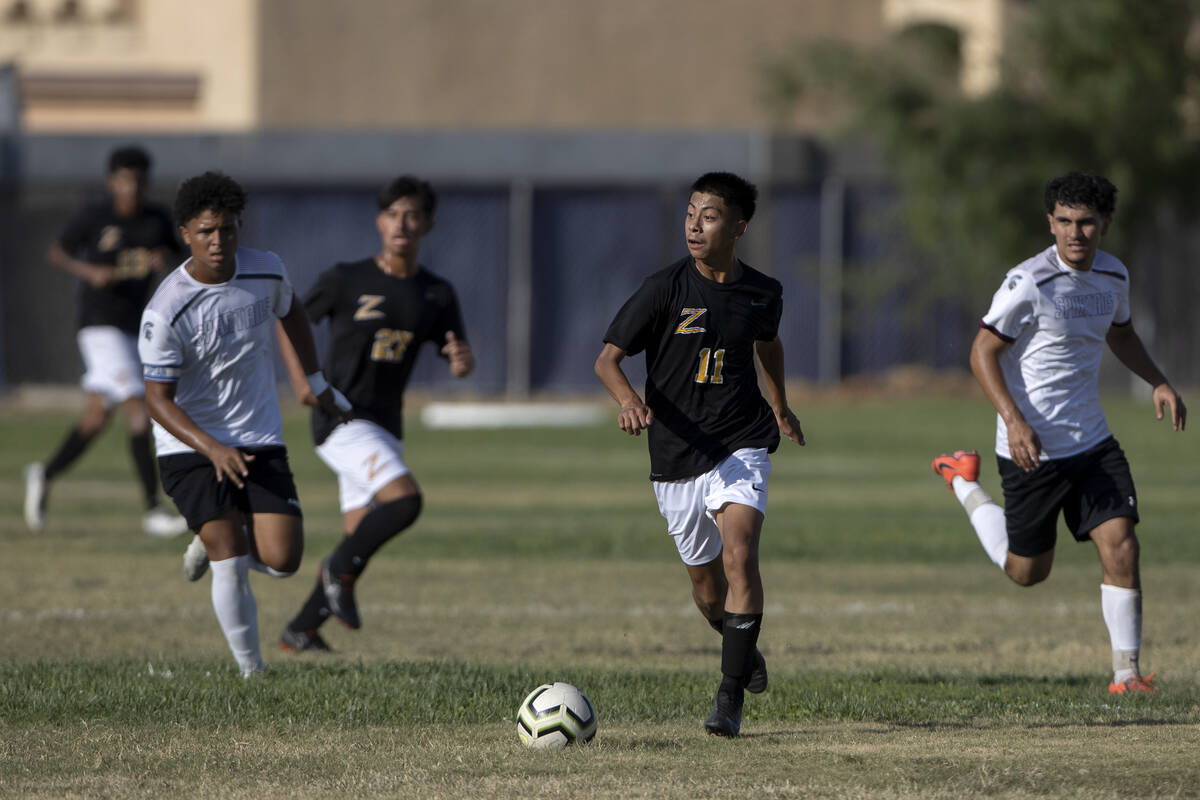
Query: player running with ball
x,y
1037,357
701,322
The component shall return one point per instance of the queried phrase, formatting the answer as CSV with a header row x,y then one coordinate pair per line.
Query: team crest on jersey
x,y
690,315
368,307
148,331
110,239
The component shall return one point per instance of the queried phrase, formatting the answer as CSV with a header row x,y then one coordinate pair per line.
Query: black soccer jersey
x,y
378,323
98,236
701,382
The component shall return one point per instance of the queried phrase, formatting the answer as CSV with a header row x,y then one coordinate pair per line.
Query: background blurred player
x,y
206,343
114,248
1037,357
381,310
702,321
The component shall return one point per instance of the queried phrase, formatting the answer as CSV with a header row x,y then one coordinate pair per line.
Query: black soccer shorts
x,y
191,481
1089,488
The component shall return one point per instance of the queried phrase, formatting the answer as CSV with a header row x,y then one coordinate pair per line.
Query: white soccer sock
x,y
1122,609
986,517
236,610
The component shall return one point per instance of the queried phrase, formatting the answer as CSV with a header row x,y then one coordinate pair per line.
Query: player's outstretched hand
x,y
789,426
1166,397
229,462
634,417
459,354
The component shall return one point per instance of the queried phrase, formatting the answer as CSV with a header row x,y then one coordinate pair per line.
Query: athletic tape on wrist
x,y
317,383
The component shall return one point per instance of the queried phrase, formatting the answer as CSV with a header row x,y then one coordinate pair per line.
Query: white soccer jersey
x,y
215,342
1056,319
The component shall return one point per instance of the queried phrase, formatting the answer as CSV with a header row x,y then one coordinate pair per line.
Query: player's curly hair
x,y
129,157
1082,190
733,189
408,186
212,191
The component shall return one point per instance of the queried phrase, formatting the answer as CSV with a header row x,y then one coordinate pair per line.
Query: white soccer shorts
x,y
688,505
365,457
112,366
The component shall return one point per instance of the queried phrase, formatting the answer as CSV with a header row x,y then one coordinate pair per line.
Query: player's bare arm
x,y
458,352
96,275
635,415
1127,346
770,359
1024,445
229,462
298,335
296,374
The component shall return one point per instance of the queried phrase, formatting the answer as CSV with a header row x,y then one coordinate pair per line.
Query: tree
x,y
1111,86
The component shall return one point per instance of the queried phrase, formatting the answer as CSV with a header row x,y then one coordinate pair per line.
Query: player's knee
x,y
401,512
707,600
1028,576
283,567
92,423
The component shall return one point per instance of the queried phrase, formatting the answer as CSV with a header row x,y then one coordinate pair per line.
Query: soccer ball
x,y
555,715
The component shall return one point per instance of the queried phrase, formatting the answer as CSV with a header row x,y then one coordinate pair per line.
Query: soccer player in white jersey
x,y
1037,357
703,323
206,343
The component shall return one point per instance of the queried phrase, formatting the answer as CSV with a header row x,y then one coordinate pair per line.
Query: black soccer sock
x,y
143,460
375,529
71,448
717,625
313,613
738,642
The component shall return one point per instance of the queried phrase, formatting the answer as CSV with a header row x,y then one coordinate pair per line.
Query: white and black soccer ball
x,y
556,715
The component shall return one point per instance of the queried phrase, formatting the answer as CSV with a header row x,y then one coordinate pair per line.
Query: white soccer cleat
x,y
35,496
162,524
195,560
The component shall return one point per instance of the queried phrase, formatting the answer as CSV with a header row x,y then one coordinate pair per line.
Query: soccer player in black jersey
x,y
701,322
115,248
380,310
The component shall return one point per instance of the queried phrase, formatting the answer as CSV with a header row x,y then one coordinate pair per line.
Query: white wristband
x,y
317,383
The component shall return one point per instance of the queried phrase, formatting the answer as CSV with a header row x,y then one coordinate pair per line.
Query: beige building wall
x,y
235,65
522,64
134,64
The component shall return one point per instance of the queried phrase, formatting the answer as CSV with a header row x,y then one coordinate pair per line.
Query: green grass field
x,y
903,663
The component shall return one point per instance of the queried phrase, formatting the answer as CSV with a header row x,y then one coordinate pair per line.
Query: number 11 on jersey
x,y
717,357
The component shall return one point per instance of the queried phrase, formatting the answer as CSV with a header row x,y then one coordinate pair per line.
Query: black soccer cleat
x,y
339,596
757,682
303,642
726,716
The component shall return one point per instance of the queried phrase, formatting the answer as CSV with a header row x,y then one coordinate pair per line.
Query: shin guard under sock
x,y
739,639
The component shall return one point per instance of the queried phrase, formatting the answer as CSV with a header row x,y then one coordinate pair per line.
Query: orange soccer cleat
x,y
963,462
1135,684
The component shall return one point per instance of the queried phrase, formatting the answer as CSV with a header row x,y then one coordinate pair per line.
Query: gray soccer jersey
x,y
1056,319
215,342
